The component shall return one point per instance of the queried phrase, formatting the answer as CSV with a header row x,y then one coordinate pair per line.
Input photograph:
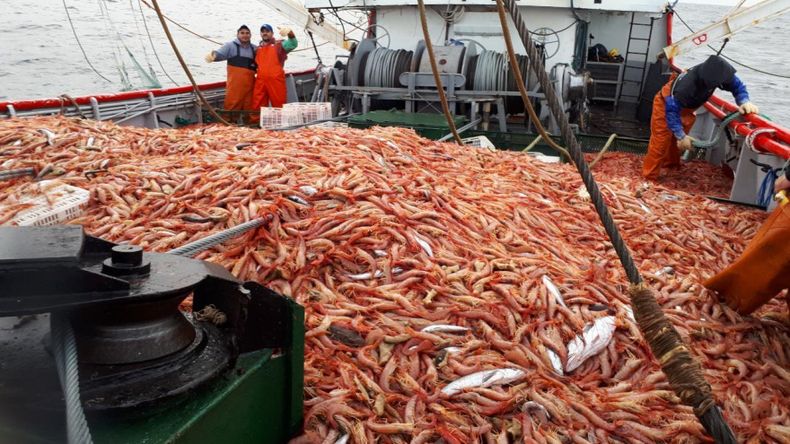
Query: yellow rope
x,y
603,151
523,89
186,68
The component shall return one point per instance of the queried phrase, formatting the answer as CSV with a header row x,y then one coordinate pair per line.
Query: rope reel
x,y
383,67
484,70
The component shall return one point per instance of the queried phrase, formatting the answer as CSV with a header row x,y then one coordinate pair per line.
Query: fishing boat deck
x,y
606,120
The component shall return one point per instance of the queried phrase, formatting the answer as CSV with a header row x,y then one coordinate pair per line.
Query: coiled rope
x,y
683,371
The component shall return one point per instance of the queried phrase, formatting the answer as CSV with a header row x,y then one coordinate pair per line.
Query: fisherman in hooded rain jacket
x,y
674,106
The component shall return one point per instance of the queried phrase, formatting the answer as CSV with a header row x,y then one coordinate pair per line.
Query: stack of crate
x,y
297,113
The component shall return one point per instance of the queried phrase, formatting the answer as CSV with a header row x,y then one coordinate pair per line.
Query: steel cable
x,y
781,76
682,370
64,350
182,26
153,48
207,242
79,43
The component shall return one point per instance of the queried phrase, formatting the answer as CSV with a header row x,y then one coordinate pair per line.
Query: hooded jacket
x,y
695,87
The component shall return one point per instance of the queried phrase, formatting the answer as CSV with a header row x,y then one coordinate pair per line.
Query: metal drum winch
x,y
140,358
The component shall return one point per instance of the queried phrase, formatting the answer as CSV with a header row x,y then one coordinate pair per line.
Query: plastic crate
x,y
271,118
479,142
291,117
55,202
310,111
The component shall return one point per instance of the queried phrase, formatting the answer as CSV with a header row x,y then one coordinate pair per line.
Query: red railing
x,y
27,105
777,142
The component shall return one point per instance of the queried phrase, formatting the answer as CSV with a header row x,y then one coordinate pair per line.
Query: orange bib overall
x,y
270,84
238,93
241,82
662,151
762,271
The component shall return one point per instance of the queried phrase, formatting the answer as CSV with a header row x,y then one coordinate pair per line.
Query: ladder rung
x,y
641,24
637,53
631,81
640,38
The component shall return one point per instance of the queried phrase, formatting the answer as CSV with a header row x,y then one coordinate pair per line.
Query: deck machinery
x,y
147,372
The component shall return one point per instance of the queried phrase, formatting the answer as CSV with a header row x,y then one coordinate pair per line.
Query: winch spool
x,y
119,348
383,67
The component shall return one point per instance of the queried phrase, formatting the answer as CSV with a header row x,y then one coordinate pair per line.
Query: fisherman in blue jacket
x,y
674,106
240,54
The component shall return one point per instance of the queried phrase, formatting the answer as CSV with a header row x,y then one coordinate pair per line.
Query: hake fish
x,y
485,378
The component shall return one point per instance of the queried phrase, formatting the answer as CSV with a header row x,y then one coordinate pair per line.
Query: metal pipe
x,y
461,129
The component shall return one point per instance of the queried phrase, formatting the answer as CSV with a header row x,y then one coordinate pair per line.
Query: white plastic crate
x,y
310,111
55,202
479,142
271,118
292,116
323,110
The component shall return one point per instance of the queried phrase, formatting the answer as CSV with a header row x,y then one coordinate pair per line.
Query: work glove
x,y
686,144
781,184
210,57
748,108
285,32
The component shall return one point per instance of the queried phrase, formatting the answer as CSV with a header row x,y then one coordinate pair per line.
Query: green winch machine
x,y
82,318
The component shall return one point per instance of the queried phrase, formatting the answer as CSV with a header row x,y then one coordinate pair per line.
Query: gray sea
x,y
40,56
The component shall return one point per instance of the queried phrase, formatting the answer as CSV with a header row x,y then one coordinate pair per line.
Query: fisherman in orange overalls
x,y
240,54
270,58
763,270
674,106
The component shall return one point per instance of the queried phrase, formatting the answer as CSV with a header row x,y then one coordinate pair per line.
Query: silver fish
x,y
368,275
532,405
553,290
556,362
298,200
665,270
342,440
485,378
444,328
50,135
308,190
380,253
596,337
424,244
